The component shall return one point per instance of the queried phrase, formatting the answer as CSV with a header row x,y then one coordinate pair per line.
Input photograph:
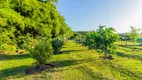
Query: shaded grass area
x,y
15,71
127,51
68,51
129,55
13,57
75,62
137,47
14,66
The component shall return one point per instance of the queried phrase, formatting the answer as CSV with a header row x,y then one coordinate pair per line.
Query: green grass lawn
x,y
127,51
76,63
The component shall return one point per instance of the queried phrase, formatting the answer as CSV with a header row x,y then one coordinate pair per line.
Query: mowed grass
x,y
127,50
75,62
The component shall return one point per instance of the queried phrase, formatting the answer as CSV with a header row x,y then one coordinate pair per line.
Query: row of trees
x,y
131,36
23,19
104,38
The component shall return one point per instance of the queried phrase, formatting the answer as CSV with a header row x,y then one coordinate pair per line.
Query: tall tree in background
x,y
134,35
127,38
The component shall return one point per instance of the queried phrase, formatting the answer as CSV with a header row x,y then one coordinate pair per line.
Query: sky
x,y
86,15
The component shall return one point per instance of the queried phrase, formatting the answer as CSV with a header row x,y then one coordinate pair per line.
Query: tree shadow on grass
x,y
18,72
66,63
128,72
15,72
88,71
68,51
130,47
13,57
129,55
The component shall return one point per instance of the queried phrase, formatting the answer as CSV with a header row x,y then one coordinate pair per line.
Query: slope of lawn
x,y
127,50
75,62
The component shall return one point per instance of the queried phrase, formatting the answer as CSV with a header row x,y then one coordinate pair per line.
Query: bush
x,y
57,44
89,40
7,47
42,52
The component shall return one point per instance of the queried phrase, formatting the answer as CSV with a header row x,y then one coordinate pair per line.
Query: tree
x,y
125,37
57,44
104,39
42,52
20,18
134,35
90,40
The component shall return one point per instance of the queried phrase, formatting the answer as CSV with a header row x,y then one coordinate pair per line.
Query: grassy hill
x,y
76,62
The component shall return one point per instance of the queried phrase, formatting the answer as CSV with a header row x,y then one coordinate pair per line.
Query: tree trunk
x,y
105,54
126,43
16,46
133,46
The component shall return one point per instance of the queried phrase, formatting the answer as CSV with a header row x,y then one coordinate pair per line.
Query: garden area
x,y
36,43
75,62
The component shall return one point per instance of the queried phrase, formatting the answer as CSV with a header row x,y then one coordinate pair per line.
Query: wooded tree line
x,y
24,19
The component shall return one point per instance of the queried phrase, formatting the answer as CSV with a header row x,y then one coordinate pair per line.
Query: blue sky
x,y
84,15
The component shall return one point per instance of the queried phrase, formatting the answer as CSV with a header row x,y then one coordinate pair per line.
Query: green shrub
x,y
89,40
7,47
42,52
57,44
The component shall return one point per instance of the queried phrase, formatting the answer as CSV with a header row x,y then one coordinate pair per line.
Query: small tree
x,y
90,41
57,44
125,37
42,52
134,35
105,38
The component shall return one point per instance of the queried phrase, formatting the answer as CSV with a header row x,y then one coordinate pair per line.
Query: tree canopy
x,y
103,39
30,17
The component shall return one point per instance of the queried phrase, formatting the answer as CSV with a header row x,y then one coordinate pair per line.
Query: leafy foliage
x,y
42,52
57,44
134,35
90,41
103,39
20,18
125,37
